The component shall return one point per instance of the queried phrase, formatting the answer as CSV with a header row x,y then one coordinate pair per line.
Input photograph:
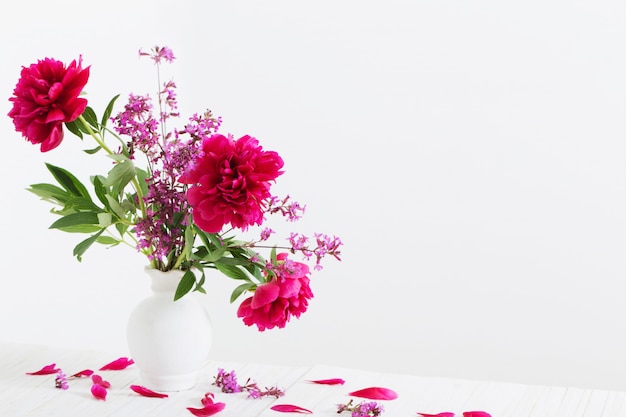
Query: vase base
x,y
170,383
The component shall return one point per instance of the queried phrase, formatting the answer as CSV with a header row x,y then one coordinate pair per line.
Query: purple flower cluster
x,y
364,409
227,382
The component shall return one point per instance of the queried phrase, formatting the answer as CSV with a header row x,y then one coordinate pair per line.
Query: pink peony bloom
x,y
230,181
285,295
45,97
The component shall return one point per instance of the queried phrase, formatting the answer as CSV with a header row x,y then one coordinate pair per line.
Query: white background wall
x,y
469,153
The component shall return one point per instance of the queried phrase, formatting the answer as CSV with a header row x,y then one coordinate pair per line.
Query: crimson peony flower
x,y
230,181
285,295
45,97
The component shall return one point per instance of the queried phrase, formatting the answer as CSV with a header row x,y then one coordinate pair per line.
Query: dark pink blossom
x,y
45,97
230,182
286,294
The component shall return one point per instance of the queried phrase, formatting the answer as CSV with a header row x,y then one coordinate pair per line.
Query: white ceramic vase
x,y
169,340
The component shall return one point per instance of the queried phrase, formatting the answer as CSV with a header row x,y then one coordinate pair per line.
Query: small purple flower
x,y
61,380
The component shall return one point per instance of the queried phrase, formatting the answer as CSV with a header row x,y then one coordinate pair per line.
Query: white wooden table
x,y
24,395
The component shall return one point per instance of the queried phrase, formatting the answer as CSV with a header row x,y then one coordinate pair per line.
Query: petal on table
x,y
118,364
99,392
207,410
476,414
290,408
83,373
46,370
331,381
375,393
147,392
97,380
444,414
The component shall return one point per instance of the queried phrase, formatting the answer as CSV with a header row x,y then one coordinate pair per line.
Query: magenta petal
x,y
83,373
97,380
290,408
476,414
46,370
332,381
444,414
207,410
146,392
375,393
117,365
99,392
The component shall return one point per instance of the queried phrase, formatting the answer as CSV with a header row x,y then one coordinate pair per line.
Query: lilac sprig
x,y
363,409
61,380
227,382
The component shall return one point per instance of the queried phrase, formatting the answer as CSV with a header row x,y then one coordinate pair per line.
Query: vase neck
x,y
164,282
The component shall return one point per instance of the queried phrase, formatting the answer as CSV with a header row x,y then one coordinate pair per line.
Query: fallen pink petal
x,y
207,410
97,380
444,414
375,393
290,408
332,381
82,374
147,392
46,370
99,392
208,399
117,365
476,414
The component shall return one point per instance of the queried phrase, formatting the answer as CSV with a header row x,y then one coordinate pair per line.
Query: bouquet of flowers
x,y
182,207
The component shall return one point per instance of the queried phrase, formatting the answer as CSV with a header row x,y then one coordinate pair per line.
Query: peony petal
x,y
99,392
83,373
46,370
476,414
375,393
146,392
332,381
207,410
97,380
117,365
444,414
290,408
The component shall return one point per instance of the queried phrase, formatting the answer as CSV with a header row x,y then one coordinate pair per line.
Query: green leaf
x,y
92,151
75,219
240,290
68,181
80,228
232,271
80,249
115,207
108,240
50,192
199,286
100,189
185,285
105,219
107,111
74,127
91,118
120,175
81,204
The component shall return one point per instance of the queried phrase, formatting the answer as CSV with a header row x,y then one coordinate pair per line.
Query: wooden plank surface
x,y
24,395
